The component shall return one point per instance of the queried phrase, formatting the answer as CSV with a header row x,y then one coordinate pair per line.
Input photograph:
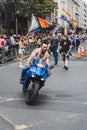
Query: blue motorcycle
x,y
34,80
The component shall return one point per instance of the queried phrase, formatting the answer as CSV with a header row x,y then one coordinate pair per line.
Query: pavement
x,y
61,104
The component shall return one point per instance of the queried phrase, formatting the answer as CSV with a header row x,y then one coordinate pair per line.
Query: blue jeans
x,y
55,55
25,75
24,70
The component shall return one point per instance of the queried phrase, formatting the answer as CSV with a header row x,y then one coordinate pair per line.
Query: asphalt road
x,y
61,104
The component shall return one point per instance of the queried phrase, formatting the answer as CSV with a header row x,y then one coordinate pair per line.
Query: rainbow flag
x,y
72,24
34,24
65,15
43,23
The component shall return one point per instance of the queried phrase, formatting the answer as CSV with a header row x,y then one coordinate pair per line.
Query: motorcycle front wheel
x,y
32,92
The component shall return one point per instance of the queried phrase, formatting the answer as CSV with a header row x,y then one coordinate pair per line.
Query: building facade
x,y
77,10
83,14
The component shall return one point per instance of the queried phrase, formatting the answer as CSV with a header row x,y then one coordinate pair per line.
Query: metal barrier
x,y
9,53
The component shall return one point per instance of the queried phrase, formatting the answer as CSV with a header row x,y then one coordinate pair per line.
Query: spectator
x,y
54,47
77,41
21,51
64,49
12,40
2,41
39,41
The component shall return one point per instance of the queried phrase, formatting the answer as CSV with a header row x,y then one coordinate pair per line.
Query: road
x,y
61,104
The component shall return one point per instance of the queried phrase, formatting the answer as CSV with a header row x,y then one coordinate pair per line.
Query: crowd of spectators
x,y
9,45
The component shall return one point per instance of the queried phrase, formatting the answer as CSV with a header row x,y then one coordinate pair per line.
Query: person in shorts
x,y
21,51
64,49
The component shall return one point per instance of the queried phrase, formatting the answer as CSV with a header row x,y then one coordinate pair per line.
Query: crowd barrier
x,y
9,53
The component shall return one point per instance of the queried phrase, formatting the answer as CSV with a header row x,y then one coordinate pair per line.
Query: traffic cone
x,y
83,50
86,49
78,55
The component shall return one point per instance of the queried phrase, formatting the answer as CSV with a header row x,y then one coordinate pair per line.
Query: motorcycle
x,y
34,80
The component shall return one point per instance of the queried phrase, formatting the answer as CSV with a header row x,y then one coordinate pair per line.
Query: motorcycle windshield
x,y
42,72
33,70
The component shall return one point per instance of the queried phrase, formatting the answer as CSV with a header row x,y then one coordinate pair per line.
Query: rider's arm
x,y
29,60
31,57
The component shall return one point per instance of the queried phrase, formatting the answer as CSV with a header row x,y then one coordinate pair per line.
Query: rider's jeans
x,y
24,70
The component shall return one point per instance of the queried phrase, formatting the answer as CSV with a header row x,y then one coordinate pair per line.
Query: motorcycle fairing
x,y
42,72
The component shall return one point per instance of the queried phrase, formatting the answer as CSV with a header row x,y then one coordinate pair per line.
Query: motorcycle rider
x,y
39,56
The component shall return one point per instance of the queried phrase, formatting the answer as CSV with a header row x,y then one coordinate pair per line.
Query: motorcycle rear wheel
x,y
32,92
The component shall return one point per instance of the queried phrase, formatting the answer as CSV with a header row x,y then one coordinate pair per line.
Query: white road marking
x,y
14,99
6,99
71,116
20,127
7,120
11,99
15,127
85,103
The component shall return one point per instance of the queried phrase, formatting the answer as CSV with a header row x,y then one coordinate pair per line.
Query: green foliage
x,y
1,6
40,8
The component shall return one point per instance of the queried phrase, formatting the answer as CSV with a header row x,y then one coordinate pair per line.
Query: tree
x,y
1,6
41,8
25,8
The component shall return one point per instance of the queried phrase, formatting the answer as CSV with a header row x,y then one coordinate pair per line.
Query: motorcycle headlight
x,y
33,76
42,79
